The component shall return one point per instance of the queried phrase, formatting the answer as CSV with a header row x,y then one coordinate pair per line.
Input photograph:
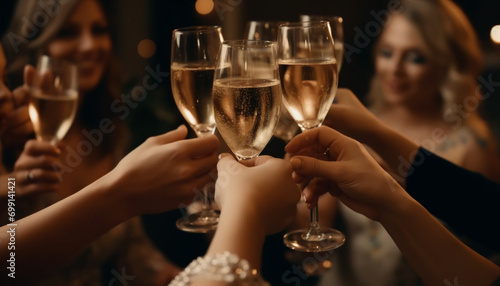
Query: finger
x,y
43,161
312,167
263,159
38,176
201,147
298,178
29,75
21,95
323,136
36,148
203,165
228,164
311,198
38,188
172,136
315,189
46,82
223,155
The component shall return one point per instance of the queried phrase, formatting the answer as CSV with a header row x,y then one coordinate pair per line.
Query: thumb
x,y
228,164
172,136
312,167
28,75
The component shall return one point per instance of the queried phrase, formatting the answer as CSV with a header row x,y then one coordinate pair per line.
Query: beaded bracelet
x,y
222,267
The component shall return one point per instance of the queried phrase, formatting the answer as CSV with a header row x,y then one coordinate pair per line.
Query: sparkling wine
x,y
51,115
308,89
246,112
192,89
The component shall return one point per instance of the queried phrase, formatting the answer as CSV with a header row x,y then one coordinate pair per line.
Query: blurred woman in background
x,y
427,60
79,31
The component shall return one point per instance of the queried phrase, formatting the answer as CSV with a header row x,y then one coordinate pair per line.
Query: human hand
x,y
165,171
357,180
35,168
264,186
350,117
18,127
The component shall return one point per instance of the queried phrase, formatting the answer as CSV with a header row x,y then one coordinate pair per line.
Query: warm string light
x,y
204,7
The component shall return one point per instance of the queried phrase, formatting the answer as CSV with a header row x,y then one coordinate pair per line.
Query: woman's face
x,y
404,66
84,39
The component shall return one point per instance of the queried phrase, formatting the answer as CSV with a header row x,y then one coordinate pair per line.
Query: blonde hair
x,y
452,44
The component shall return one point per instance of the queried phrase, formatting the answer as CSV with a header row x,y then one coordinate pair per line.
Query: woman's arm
x,y
360,183
143,182
255,200
441,187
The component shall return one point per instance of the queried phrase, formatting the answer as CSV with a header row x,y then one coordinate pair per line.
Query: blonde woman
x,y
427,61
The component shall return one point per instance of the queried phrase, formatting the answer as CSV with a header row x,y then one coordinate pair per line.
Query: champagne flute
x,y
268,31
194,51
247,95
336,24
54,99
308,71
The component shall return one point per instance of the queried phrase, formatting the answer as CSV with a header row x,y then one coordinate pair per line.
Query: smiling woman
x,y
79,31
427,59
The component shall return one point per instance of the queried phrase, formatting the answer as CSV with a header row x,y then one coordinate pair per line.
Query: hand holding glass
x,y
309,77
194,50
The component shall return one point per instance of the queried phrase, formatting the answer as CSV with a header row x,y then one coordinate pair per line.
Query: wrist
x,y
400,211
375,135
241,232
115,196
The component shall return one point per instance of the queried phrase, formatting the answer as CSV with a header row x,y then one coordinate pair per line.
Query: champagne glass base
x,y
328,240
201,222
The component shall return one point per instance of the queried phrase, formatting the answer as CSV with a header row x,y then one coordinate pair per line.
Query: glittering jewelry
x,y
222,267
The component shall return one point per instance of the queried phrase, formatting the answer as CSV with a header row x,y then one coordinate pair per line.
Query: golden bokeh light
x,y
204,7
495,34
146,48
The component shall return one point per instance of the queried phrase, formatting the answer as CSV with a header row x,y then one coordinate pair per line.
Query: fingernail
x,y
296,163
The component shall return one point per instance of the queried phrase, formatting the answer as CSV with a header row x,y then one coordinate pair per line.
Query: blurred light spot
x,y
327,264
495,34
146,48
204,7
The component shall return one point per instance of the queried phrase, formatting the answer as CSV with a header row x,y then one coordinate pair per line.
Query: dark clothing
x,y
466,201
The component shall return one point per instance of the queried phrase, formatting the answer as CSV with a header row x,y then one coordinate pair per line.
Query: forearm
x,y
240,233
46,240
4,190
433,252
395,149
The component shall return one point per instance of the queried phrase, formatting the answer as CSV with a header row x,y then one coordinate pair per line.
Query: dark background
x,y
155,19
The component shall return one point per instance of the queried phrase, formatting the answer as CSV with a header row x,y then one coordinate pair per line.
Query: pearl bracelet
x,y
222,267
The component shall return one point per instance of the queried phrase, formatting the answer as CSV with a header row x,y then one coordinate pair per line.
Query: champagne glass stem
x,y
314,233
206,199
